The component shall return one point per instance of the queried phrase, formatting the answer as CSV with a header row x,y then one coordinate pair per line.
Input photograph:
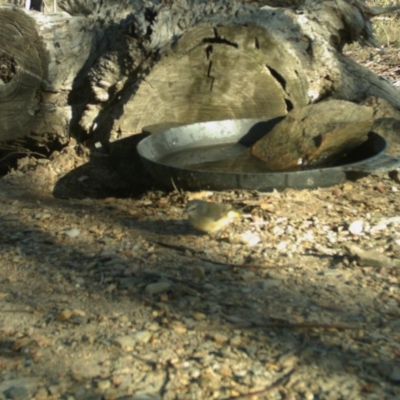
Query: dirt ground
x,y
107,293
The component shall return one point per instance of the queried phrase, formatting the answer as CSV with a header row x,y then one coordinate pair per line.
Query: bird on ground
x,y
210,217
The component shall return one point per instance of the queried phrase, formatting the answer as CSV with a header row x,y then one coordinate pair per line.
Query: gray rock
x,y
124,341
394,374
19,388
371,258
73,233
157,288
142,336
130,341
17,393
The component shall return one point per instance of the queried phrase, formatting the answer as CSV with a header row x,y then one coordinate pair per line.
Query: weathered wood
x,y
43,58
218,72
105,69
292,56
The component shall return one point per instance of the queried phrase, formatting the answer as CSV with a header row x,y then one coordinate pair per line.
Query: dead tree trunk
x,y
102,70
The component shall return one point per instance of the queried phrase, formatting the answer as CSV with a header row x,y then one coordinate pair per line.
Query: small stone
x,y
195,373
17,393
225,371
78,320
142,336
41,394
19,388
116,380
250,238
103,384
54,389
220,338
125,342
288,360
236,340
240,373
371,258
64,315
347,187
297,319
198,316
356,227
73,233
394,374
157,288
178,327
270,283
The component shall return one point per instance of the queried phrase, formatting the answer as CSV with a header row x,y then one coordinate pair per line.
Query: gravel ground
x,y
108,297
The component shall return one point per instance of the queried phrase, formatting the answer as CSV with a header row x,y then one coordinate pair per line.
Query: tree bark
x,y
103,70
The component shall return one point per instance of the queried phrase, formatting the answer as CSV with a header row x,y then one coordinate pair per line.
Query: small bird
x,y
210,217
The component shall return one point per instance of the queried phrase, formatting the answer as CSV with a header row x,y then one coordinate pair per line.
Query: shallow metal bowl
x,y
160,155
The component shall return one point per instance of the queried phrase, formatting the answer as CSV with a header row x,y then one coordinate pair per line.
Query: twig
x,y
20,151
278,384
185,248
174,185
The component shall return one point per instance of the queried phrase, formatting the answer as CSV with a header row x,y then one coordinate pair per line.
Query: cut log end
x,y
217,72
23,69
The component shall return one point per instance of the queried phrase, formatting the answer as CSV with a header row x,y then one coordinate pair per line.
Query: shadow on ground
x,y
106,274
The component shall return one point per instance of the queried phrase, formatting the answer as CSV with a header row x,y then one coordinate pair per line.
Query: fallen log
x,y
103,70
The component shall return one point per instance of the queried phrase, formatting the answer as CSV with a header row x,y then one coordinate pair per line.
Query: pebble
x,y
103,384
73,233
356,227
41,394
220,338
17,393
64,315
394,374
235,340
157,288
371,258
142,336
225,370
129,341
270,283
19,386
198,316
125,342
250,238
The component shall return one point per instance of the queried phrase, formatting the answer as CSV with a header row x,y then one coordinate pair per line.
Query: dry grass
x,y
387,26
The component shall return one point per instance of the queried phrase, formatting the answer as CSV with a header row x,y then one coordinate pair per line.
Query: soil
x,y
106,291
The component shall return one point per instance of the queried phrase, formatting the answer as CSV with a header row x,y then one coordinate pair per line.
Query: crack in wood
x,y
219,39
209,51
209,76
281,80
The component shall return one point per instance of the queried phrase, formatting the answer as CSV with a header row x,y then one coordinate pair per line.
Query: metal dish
x,y
161,154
